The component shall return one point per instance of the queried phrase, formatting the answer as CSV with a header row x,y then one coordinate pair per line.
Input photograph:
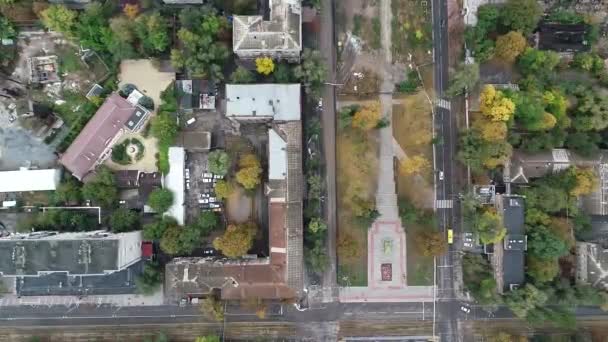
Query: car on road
x,y
440,175
209,252
465,309
450,236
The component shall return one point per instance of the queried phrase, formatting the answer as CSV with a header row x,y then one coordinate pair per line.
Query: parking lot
x,y
200,194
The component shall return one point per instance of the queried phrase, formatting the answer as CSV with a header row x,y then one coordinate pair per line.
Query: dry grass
x,y
357,173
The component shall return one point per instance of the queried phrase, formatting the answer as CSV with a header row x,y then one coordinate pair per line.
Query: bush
x,y
146,102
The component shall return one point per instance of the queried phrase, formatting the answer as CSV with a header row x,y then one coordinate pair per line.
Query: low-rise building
x,y
93,145
565,38
43,69
28,180
275,33
280,274
592,264
70,263
175,181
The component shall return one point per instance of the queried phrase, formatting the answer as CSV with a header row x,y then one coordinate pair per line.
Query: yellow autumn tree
x,y
586,182
493,131
264,65
548,121
510,45
237,239
367,117
249,172
495,105
131,11
414,165
223,189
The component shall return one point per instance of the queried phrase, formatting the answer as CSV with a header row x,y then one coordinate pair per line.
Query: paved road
x,y
445,126
328,121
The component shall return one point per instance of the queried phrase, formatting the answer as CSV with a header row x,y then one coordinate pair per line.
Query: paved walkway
x,y
75,301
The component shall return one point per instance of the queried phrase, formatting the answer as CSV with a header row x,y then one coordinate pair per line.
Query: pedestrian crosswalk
x,y
444,204
443,103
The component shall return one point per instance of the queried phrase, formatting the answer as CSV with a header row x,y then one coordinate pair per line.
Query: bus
x,y
450,236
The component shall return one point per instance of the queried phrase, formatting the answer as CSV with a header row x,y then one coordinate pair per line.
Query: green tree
x,y
164,127
156,229
316,226
68,192
315,186
311,72
537,62
242,76
219,162
123,29
584,143
153,33
316,257
510,45
529,110
591,113
525,299
521,15
124,220
479,280
170,241
480,154
160,200
59,18
213,308
540,270
466,77
282,73
149,281
208,338
102,188
489,227
201,52
206,222
544,245
237,239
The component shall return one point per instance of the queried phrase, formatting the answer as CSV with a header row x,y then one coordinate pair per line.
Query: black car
x,y
209,251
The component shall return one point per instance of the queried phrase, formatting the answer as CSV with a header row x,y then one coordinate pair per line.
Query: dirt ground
x,y
238,206
146,77
147,163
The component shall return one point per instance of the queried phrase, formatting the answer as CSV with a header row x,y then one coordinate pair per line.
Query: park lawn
x,y
419,267
356,174
412,128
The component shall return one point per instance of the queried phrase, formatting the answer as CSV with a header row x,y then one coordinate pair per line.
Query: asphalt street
x,y
447,132
328,121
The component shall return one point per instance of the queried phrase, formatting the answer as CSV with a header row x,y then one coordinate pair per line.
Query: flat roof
x,y
280,102
73,253
277,156
513,259
29,180
174,181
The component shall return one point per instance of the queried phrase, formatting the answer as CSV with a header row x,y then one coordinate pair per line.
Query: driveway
x,y
146,77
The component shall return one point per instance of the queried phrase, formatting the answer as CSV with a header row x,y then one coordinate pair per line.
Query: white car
x,y
465,309
440,175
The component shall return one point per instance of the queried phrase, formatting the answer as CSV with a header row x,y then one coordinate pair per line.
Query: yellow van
x,y
450,236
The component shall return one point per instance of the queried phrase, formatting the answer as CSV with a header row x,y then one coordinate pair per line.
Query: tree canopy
x,y
124,220
521,15
160,200
102,188
219,162
249,172
237,239
510,45
311,71
201,53
264,65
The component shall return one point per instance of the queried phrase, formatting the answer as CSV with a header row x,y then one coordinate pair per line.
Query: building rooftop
x,y
195,141
592,264
73,253
174,181
25,180
515,245
563,37
94,141
277,156
278,30
278,102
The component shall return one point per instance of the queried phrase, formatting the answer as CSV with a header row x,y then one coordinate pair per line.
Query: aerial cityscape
x,y
303,170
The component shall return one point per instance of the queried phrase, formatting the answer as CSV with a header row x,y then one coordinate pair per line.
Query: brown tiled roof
x,y
81,156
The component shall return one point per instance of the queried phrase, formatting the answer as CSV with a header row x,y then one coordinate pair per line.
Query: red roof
x,y
146,249
81,156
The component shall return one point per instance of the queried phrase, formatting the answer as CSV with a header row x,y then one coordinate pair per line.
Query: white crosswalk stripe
x,y
443,204
443,103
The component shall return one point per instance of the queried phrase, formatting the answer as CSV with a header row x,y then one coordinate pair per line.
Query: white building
x,y
263,102
26,180
174,181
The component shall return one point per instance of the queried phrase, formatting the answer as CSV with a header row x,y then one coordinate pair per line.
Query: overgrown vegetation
x,y
164,126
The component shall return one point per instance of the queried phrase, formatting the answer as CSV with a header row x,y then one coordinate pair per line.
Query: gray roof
x,y
278,102
513,257
592,264
74,253
283,32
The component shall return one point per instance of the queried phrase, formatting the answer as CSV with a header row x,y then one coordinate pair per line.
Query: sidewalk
x,y
116,300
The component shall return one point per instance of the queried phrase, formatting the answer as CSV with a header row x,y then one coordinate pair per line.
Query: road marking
x,y
444,204
443,103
